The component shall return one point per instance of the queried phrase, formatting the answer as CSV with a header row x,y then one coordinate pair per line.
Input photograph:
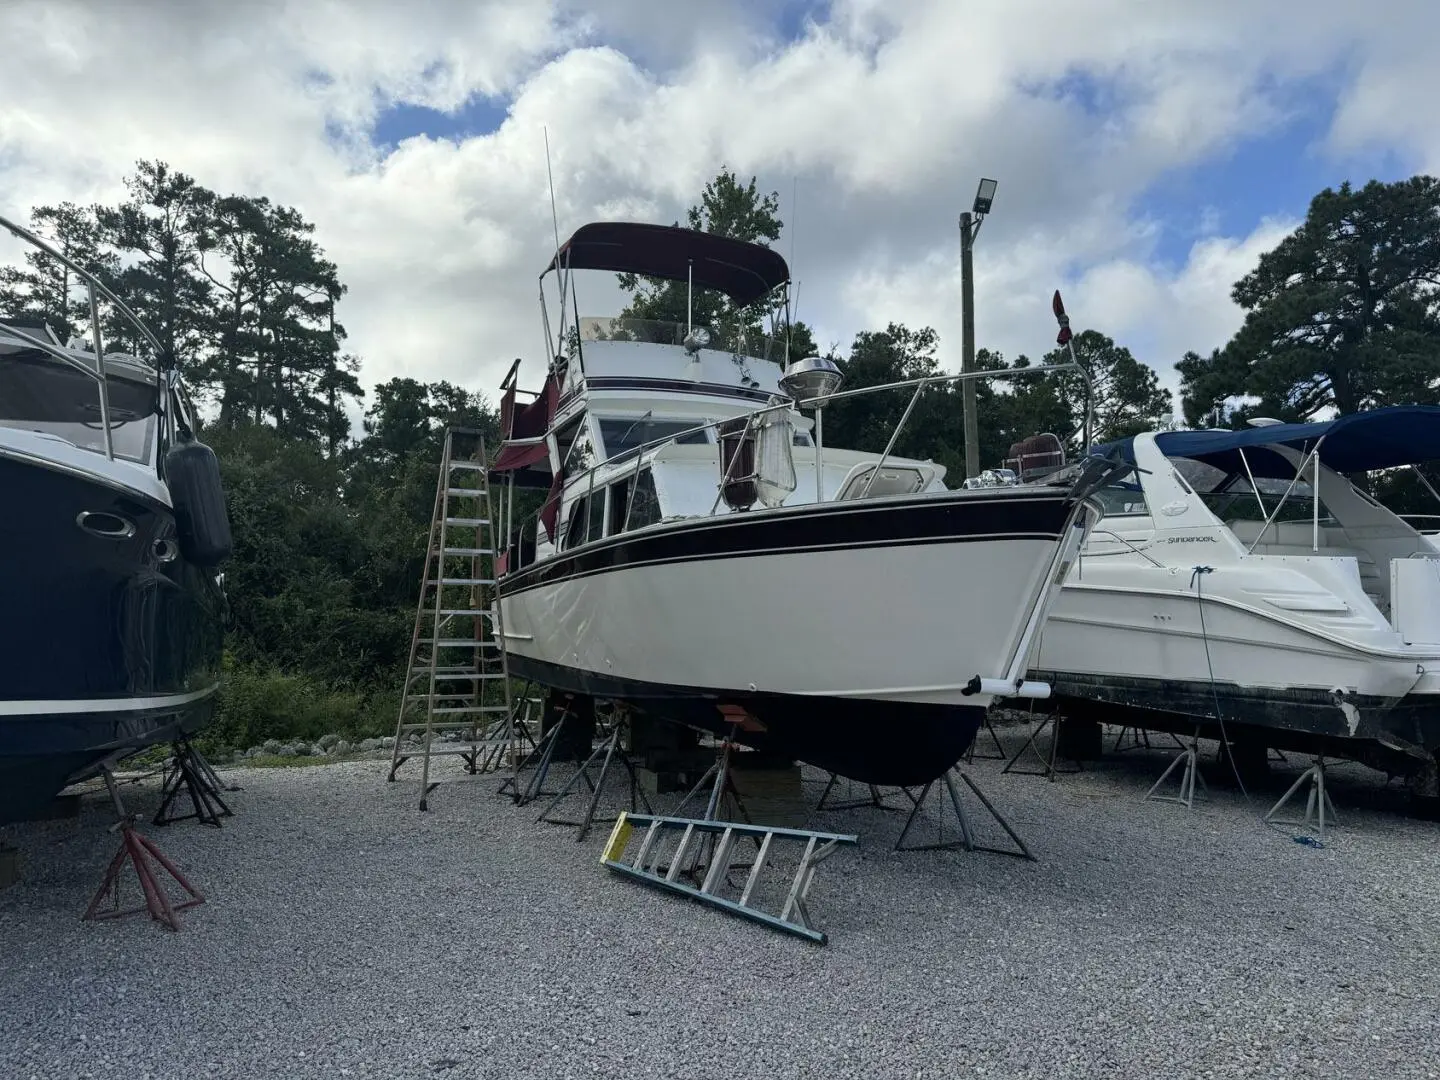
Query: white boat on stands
x,y
862,615
1240,575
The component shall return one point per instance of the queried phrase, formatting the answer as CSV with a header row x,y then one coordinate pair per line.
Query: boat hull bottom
x,y
892,743
1398,737
45,752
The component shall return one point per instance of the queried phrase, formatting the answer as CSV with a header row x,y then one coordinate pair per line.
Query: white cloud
x,y
884,113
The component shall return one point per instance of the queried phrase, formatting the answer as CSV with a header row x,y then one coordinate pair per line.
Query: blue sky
x,y
1107,179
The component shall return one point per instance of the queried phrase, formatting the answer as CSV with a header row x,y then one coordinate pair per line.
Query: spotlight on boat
x,y
813,377
696,340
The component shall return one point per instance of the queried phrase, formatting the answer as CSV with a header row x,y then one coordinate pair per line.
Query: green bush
x,y
257,704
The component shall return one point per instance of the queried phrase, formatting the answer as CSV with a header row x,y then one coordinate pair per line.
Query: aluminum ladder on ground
x,y
645,866
457,679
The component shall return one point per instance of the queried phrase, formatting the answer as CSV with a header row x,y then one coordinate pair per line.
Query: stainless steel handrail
x,y
919,385
93,287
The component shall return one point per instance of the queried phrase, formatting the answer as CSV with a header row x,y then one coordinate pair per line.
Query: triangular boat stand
x,y
1189,758
989,729
608,747
191,774
876,800
966,840
538,760
1050,767
1318,807
139,852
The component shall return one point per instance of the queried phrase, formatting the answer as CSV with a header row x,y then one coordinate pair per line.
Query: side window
x,y
579,519
595,515
1122,498
646,508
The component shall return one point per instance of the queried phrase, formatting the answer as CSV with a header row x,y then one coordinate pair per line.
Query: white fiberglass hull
x,y
850,631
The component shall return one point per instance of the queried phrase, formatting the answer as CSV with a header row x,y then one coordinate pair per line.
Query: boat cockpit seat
x,y
1297,538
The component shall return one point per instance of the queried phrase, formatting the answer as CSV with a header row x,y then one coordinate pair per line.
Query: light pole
x,y
970,222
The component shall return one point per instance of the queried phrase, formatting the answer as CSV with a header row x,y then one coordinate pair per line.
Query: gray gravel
x,y
346,934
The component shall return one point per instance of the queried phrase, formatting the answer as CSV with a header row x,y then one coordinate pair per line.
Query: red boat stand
x,y
139,851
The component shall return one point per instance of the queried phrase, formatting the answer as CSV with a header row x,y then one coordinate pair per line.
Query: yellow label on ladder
x,y
619,837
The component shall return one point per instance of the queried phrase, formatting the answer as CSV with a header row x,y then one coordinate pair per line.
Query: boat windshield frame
x,y
101,371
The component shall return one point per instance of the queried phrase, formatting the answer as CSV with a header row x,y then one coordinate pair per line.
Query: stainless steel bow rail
x,y
649,866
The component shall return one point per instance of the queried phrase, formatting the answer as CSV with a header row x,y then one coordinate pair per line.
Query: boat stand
x,y
1190,758
966,841
191,774
540,756
999,755
139,851
608,748
645,867
1050,767
876,800
1318,806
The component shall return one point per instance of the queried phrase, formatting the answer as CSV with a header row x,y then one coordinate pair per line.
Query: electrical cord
x,y
1195,580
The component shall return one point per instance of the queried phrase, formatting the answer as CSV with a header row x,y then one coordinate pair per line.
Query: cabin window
x,y
577,448
646,508
620,434
38,393
587,520
1121,498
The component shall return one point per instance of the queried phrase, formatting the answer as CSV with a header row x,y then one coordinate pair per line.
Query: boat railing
x,y
747,423
95,290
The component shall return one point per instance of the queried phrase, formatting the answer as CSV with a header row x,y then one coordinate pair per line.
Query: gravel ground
x,y
346,934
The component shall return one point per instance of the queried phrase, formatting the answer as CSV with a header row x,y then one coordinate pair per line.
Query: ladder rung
x,y
441,749
437,725
468,551
473,709
467,522
465,492
464,581
467,465
459,675
464,611
455,643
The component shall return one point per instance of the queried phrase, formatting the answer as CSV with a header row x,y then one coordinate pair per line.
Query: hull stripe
x,y
104,705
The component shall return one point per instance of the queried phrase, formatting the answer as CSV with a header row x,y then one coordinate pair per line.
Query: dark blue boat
x,y
109,553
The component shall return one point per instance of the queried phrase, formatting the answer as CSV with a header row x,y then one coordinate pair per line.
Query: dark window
x,y
38,393
621,434
646,508
586,520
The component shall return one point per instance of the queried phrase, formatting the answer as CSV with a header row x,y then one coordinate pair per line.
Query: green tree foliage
x,y
1344,313
866,422
277,355
157,231
1128,397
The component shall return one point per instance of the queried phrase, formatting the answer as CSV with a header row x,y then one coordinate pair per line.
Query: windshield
x,y
38,393
625,433
731,336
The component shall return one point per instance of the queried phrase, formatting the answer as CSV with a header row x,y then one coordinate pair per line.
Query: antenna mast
x,y
794,226
560,276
